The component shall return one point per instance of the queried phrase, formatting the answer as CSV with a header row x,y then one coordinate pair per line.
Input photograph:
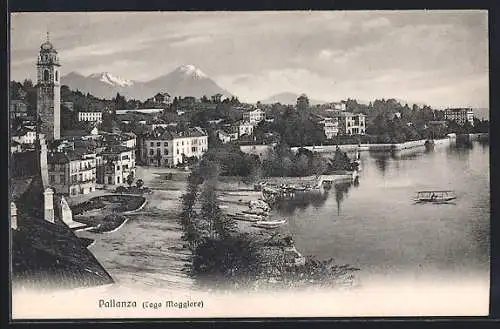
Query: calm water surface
x,y
375,225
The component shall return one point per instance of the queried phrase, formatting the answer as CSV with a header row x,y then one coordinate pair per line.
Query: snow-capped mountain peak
x,y
111,79
192,71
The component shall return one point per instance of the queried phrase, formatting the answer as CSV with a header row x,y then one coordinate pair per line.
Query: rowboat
x,y
435,196
245,218
269,224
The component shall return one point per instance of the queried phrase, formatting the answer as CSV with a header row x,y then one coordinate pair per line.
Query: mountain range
x,y
186,80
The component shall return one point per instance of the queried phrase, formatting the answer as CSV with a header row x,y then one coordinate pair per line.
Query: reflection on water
x,y
301,201
374,225
341,192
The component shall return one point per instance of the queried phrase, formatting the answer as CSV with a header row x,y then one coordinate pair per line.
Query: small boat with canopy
x,y
435,196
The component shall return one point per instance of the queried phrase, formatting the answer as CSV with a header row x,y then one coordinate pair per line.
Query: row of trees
x,y
221,256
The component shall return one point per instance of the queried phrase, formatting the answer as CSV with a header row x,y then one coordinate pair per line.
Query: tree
x,y
120,102
302,103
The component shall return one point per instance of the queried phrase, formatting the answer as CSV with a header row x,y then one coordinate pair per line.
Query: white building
x,y
340,106
352,124
223,136
168,148
72,172
330,127
253,116
90,116
118,162
337,106
25,136
245,128
460,115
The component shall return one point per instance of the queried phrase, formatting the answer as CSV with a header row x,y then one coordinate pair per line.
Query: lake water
x,y
375,225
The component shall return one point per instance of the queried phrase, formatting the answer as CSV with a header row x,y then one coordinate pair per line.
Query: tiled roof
x,y
115,149
164,134
42,247
75,133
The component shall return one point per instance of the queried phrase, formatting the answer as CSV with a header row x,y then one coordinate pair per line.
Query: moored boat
x,y
269,224
435,196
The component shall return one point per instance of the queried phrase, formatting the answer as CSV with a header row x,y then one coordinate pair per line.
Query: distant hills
x,y
186,80
288,98
482,113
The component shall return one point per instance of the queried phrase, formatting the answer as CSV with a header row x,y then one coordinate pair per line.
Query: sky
x,y
438,58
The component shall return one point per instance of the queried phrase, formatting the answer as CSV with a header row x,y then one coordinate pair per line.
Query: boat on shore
x,y
243,218
435,196
269,224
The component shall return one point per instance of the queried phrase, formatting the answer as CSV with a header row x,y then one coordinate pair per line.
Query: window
x,y
165,152
62,179
193,149
117,167
152,144
158,144
46,75
151,152
177,151
118,179
165,144
57,75
52,179
182,143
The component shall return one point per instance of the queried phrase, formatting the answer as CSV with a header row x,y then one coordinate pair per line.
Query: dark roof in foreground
x,y
46,254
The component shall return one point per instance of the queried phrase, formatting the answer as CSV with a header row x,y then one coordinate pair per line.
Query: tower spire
x,y
48,36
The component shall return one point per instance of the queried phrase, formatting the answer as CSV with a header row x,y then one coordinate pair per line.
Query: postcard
x,y
258,164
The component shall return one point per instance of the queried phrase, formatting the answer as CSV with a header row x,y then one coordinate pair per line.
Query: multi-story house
x,y
169,148
116,163
245,128
330,127
253,116
72,172
352,124
90,116
460,115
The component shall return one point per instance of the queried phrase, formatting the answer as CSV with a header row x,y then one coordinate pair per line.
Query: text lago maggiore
x,y
112,303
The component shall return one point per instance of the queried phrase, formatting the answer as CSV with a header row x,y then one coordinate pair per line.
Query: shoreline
x,y
261,149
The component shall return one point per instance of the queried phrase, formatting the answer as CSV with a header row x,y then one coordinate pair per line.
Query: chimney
x,y
48,209
44,171
13,216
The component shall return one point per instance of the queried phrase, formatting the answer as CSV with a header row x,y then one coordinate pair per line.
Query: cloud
x,y
191,41
376,23
253,87
328,54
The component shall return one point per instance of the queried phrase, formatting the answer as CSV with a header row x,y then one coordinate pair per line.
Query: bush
x,y
121,189
219,263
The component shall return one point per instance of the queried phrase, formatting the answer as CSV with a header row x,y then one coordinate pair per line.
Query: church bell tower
x,y
48,92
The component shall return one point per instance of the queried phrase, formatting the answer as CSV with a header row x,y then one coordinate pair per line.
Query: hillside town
x,y
67,143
